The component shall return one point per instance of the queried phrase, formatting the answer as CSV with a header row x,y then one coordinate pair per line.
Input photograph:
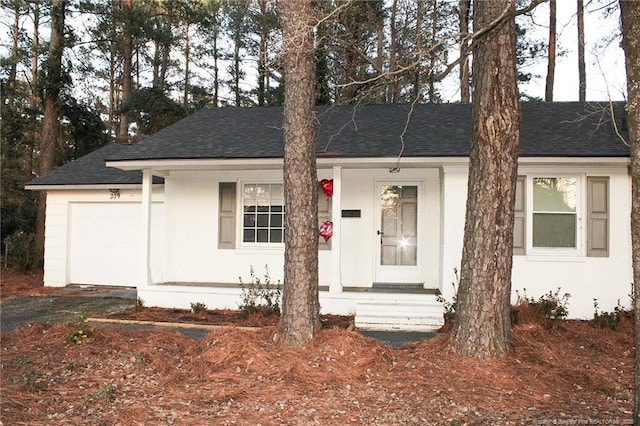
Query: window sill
x,y
554,257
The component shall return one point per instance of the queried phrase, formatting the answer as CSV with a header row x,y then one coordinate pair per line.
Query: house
x,y
185,213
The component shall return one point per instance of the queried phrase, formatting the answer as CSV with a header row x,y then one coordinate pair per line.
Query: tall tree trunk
x,y
300,318
127,68
393,91
15,34
35,54
464,9
482,323
434,52
582,73
50,126
187,59
216,76
380,55
262,55
34,99
418,56
237,69
551,64
630,13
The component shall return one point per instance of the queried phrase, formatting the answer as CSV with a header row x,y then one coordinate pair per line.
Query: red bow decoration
x,y
326,230
327,187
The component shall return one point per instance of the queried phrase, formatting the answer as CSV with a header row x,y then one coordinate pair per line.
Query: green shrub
x,y
260,295
549,308
21,251
198,308
608,319
82,330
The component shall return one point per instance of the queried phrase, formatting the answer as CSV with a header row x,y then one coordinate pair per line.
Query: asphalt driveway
x,y
18,310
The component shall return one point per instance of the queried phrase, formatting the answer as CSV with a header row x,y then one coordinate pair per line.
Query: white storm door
x,y
398,239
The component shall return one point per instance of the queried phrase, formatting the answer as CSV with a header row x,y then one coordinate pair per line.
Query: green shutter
x,y
227,220
519,228
597,216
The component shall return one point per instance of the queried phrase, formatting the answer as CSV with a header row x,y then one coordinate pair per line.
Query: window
x,y
554,212
263,213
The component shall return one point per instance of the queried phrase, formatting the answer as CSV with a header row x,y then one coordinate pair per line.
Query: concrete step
x,y
400,316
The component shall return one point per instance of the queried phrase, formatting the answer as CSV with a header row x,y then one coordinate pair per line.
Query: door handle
x,y
380,232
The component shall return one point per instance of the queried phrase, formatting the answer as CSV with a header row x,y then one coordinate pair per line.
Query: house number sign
x,y
114,194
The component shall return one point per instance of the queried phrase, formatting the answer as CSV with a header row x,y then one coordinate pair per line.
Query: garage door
x,y
104,243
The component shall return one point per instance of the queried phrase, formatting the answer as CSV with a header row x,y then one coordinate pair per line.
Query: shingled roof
x,y
563,129
559,129
91,170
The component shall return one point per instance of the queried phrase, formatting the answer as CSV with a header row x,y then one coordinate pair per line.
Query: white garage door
x,y
104,242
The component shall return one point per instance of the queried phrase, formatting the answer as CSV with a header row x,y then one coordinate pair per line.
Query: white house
x,y
186,212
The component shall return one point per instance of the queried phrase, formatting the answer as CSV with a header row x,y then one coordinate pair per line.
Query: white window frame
x,y
240,216
580,213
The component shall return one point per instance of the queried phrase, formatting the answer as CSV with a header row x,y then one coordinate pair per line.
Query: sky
x,y
606,77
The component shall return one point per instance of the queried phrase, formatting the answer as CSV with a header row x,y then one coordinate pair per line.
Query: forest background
x,y
131,67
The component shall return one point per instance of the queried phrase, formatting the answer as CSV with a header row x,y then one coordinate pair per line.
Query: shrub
x,y
21,250
450,305
549,308
82,330
260,295
608,319
198,308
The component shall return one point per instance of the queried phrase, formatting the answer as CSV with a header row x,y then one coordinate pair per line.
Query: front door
x,y
398,255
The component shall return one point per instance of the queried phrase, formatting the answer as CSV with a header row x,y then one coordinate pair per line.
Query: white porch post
x,y
145,226
336,218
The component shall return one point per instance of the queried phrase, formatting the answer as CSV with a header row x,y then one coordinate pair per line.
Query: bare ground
x,y
571,373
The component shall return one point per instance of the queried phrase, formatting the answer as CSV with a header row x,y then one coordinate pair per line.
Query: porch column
x,y
145,227
336,245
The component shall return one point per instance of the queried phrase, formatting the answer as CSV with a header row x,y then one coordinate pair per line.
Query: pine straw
x,y
242,377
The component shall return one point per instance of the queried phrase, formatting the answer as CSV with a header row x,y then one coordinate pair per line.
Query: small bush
x,y
21,251
82,330
139,304
608,319
260,295
198,308
450,305
548,308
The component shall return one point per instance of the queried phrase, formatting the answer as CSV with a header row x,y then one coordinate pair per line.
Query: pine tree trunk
x,y
582,73
300,317
551,64
51,112
482,323
35,55
464,9
15,34
187,60
127,69
630,13
393,90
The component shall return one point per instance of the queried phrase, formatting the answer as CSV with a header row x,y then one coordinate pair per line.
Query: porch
x,y
379,307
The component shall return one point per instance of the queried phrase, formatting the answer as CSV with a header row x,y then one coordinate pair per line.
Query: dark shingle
x,y
561,129
91,170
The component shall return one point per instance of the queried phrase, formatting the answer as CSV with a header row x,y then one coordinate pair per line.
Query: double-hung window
x,y
562,214
555,215
261,216
263,213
